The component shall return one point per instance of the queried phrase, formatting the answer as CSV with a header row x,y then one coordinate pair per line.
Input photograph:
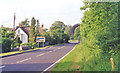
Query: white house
x,y
23,34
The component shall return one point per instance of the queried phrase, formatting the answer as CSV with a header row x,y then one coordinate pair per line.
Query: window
x,y
18,31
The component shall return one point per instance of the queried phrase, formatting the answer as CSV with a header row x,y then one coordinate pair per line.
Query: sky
x,y
46,11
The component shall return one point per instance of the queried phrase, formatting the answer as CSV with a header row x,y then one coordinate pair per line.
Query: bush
x,y
34,45
6,45
30,45
17,40
52,41
66,38
27,44
16,44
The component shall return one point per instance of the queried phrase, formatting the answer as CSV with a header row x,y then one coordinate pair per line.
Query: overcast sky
x,y
47,11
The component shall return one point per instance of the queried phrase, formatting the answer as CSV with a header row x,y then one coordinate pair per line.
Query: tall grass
x,y
86,59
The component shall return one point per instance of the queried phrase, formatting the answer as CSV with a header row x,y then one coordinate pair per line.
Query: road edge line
x,y
2,67
58,60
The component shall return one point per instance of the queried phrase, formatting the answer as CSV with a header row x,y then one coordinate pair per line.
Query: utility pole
x,y
14,20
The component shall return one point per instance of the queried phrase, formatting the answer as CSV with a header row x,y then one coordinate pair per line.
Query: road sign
x,y
40,39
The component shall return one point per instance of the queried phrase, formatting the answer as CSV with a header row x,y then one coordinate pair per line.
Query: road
x,y
40,60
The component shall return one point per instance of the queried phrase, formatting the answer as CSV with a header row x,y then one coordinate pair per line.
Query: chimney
x,y
20,25
42,25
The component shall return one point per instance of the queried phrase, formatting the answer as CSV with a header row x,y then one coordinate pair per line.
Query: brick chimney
x,y
20,25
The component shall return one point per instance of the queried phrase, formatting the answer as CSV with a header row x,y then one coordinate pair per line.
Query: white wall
x,y
23,35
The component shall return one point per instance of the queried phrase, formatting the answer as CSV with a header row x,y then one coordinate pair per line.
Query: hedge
x,y
30,45
6,45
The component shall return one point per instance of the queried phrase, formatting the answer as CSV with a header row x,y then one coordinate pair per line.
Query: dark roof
x,y
25,29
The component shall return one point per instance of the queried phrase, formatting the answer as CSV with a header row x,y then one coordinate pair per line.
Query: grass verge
x,y
85,59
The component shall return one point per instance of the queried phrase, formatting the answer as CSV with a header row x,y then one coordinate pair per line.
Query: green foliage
x,y
32,34
25,23
72,37
17,40
7,33
100,25
15,45
27,44
58,33
77,33
6,45
37,29
30,45
67,29
57,36
57,25
86,59
66,38
99,32
34,45
47,36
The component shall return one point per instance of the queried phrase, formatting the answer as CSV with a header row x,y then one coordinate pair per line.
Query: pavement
x,y
40,60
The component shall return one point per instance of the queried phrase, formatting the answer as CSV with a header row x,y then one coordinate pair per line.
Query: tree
x,y
73,29
57,25
59,33
99,32
100,25
66,37
37,28
6,33
67,29
32,31
57,36
77,33
47,36
25,23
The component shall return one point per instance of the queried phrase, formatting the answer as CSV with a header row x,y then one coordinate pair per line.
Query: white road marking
x,y
54,50
58,61
40,55
2,66
61,47
49,52
23,60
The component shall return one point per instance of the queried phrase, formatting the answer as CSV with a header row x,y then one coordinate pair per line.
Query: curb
x,y
22,52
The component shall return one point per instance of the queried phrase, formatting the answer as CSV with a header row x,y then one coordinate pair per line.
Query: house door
x,y
22,38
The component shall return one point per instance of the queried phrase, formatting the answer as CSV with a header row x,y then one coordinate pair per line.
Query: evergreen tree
x,y
37,28
32,33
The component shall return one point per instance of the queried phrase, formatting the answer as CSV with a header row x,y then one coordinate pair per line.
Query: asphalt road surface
x,y
38,60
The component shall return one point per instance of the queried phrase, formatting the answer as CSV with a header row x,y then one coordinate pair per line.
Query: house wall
x,y
23,36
